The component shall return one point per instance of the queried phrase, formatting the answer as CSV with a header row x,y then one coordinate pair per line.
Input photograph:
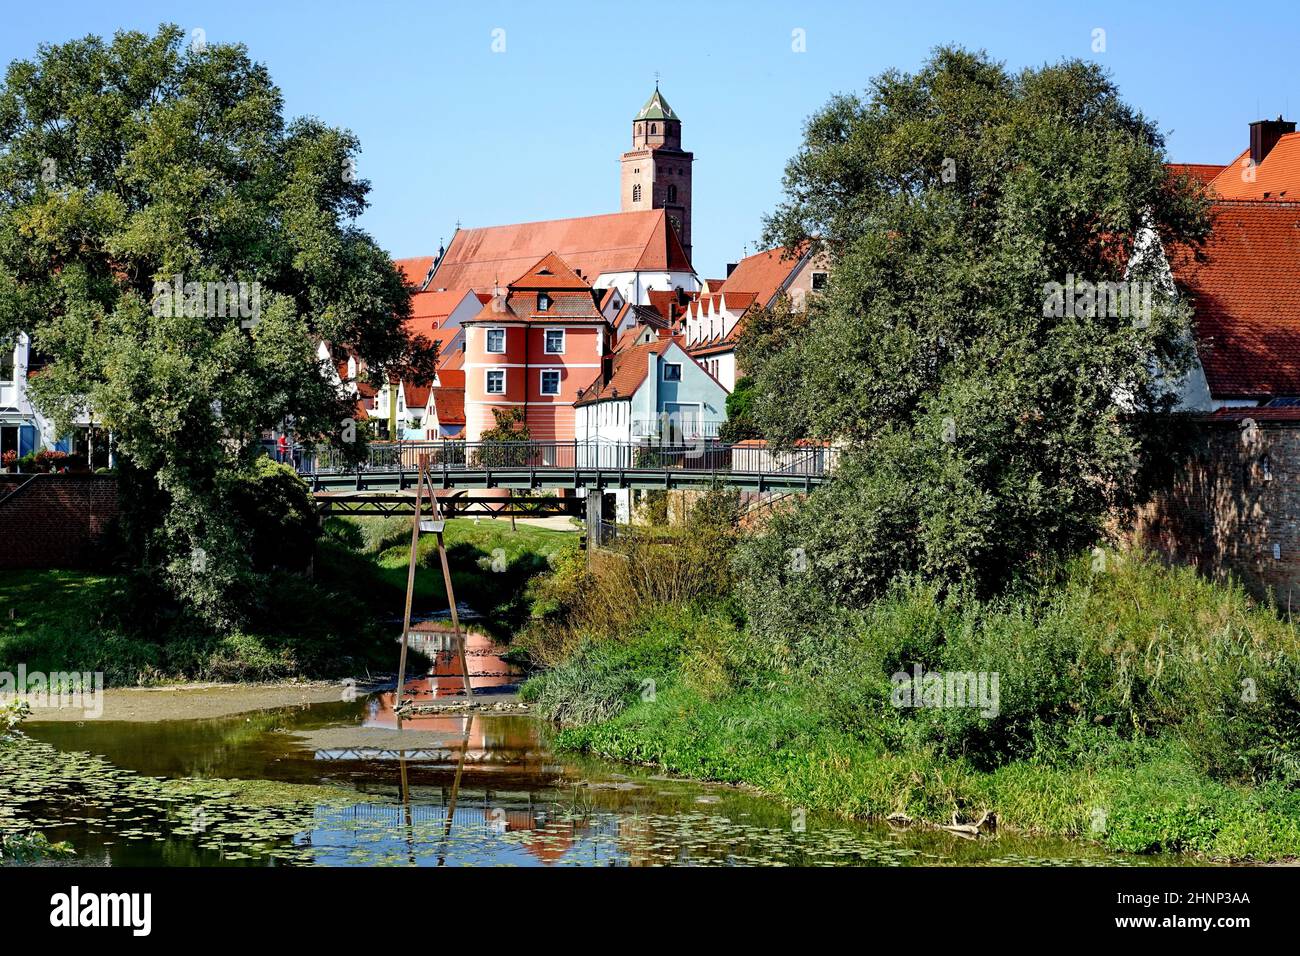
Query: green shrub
x,y
276,508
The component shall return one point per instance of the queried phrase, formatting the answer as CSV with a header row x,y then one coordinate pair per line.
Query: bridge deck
x,y
573,466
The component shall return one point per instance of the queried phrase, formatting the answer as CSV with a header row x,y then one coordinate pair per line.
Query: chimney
x,y
1264,135
731,267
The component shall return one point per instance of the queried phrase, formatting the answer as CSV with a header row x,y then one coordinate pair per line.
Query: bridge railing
x,y
703,455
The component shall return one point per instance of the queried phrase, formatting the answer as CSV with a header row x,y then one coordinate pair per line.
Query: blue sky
x,y
451,130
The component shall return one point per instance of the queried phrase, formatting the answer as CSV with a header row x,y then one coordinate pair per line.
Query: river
x,y
339,784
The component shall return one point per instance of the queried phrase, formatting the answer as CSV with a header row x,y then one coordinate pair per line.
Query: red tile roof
x,y
417,396
628,336
1280,414
764,273
551,272
430,309
1203,172
1276,177
1247,299
451,378
481,259
669,303
719,344
449,404
571,299
414,269
628,369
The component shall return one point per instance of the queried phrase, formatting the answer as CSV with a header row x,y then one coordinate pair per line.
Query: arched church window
x,y
654,128
636,193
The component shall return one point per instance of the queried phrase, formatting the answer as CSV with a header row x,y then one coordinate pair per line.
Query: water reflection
x,y
443,790
489,671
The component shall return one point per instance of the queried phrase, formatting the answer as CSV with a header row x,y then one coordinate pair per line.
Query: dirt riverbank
x,y
195,701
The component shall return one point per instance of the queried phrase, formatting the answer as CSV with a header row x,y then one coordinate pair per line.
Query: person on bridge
x,y
282,448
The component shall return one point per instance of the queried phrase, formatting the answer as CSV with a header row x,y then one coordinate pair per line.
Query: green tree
x,y
740,423
498,444
765,332
979,430
130,165
499,447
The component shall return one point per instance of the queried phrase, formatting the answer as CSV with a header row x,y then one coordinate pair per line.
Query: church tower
x,y
656,170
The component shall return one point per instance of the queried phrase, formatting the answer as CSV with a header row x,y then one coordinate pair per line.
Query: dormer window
x,y
543,302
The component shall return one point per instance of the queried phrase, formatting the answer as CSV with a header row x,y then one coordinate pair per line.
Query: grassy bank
x,y
1141,707
336,623
491,565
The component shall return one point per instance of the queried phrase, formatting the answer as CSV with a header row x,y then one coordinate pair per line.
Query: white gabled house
x,y
653,394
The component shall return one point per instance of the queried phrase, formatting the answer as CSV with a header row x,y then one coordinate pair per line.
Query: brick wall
x,y
1233,507
56,521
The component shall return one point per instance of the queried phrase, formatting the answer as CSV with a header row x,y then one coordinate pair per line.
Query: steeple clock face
x,y
676,223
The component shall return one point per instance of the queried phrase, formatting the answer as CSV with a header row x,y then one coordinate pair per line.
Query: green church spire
x,y
656,108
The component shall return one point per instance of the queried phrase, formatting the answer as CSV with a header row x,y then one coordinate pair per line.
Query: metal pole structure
x,y
455,619
446,577
410,585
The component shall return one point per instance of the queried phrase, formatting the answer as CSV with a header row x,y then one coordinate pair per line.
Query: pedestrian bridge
x,y
588,466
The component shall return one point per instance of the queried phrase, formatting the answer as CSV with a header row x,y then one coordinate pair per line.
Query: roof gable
x,y
628,369
765,273
1277,176
449,404
551,272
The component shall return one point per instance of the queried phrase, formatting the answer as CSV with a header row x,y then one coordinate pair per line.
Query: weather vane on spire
x,y
656,79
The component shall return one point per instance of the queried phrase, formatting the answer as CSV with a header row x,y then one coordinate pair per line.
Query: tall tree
x,y
136,168
981,426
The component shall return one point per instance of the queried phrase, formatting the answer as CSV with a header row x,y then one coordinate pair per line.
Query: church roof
x,y
656,108
641,241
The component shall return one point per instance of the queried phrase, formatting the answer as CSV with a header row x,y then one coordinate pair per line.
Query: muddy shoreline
x,y
201,701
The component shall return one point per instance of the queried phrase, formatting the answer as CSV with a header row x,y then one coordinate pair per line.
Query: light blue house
x,y
651,394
